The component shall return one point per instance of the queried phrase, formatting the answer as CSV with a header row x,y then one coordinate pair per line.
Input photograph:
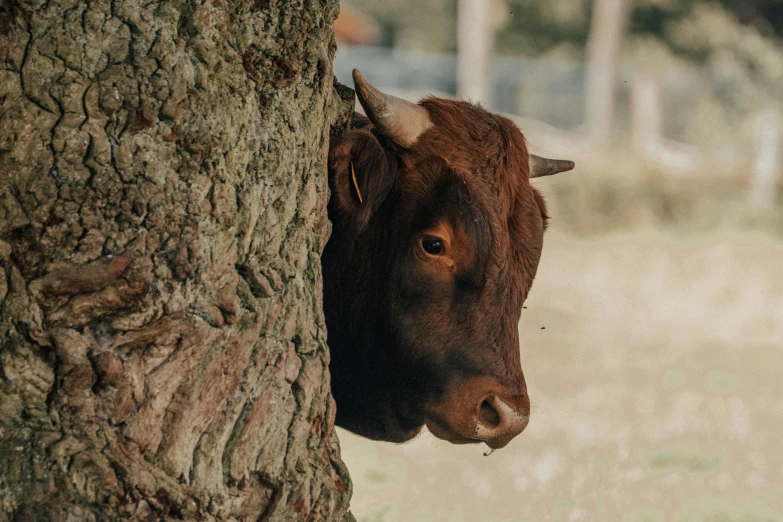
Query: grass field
x,y
656,383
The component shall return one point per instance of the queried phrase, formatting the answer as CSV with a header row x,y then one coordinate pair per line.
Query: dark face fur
x,y
425,278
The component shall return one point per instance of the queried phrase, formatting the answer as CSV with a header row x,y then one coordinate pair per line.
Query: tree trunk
x,y
162,213
607,31
474,51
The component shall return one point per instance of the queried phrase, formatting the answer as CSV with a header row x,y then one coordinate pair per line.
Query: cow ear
x,y
361,174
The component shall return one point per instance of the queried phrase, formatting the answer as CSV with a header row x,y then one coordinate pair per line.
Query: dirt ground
x,y
656,388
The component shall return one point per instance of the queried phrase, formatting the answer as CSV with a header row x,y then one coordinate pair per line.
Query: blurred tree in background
x,y
688,29
536,27
718,61
413,25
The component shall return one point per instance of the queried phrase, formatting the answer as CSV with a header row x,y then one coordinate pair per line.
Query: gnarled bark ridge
x,y
162,211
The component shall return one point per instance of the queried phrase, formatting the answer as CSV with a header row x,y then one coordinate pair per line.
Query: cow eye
x,y
432,245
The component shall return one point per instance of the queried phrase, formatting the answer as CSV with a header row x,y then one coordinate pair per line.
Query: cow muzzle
x,y
472,414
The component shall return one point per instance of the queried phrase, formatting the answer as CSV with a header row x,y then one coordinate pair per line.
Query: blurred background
x,y
656,379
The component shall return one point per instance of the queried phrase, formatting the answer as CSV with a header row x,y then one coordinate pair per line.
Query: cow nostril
x,y
488,416
497,421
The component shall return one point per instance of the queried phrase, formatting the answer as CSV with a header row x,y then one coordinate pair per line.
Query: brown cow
x,y
437,235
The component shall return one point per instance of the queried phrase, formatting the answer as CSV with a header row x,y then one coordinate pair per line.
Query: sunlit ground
x,y
656,390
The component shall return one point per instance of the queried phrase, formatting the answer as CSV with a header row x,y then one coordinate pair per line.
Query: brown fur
x,y
417,338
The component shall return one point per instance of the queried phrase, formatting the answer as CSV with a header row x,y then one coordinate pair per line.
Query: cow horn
x,y
399,120
546,167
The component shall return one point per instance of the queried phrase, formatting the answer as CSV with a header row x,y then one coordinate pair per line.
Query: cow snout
x,y
480,411
498,420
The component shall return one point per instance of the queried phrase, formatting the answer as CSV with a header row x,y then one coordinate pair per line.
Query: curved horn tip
x,y
372,100
566,165
358,79
540,167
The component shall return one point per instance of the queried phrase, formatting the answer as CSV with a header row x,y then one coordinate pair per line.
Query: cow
x,y
436,238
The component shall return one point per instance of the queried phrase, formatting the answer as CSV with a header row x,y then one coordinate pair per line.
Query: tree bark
x,y
162,213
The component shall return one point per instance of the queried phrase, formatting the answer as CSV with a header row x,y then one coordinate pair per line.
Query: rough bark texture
x,y
162,211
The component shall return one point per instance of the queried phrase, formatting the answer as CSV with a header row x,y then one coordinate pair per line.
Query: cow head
x,y
437,235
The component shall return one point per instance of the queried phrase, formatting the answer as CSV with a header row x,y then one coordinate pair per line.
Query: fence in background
x,y
681,121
